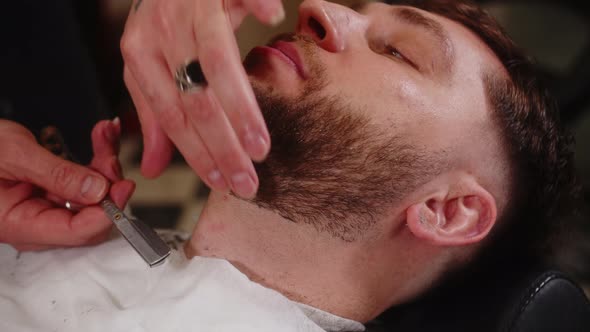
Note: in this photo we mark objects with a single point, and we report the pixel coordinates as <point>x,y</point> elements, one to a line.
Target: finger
<point>105,138</point>
<point>191,146</point>
<point>236,14</point>
<point>221,142</point>
<point>88,224</point>
<point>98,239</point>
<point>140,50</point>
<point>13,195</point>
<point>110,167</point>
<point>220,60</point>
<point>267,11</point>
<point>60,202</point>
<point>32,247</point>
<point>180,130</point>
<point>61,177</point>
<point>36,222</point>
<point>149,88</point>
<point>157,148</point>
<point>217,135</point>
<point>56,200</point>
<point>121,193</point>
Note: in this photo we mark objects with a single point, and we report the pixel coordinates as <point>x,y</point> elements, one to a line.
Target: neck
<point>295,259</point>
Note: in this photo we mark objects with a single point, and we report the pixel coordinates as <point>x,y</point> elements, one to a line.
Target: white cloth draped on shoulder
<point>110,288</point>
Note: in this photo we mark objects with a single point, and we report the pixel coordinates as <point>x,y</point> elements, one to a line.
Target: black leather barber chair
<point>531,300</point>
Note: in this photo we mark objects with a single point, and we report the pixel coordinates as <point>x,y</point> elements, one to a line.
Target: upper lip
<point>290,51</point>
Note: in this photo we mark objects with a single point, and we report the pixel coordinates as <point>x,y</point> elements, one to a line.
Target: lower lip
<point>265,50</point>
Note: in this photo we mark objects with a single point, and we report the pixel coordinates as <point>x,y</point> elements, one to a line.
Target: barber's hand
<point>34,185</point>
<point>219,130</point>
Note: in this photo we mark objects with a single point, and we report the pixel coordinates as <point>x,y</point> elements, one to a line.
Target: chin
<point>269,77</point>
<point>270,86</point>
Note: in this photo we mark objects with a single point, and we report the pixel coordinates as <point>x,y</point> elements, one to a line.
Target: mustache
<point>310,55</point>
<point>292,37</point>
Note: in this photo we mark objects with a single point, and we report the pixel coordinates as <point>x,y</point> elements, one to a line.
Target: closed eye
<point>394,52</point>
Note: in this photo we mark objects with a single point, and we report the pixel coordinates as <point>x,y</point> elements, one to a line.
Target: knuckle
<point>130,45</point>
<point>217,58</point>
<point>63,176</point>
<point>124,44</point>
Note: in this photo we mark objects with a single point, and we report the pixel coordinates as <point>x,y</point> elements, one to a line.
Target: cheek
<point>391,97</point>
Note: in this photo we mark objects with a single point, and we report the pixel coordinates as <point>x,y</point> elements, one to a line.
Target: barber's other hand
<point>219,130</point>
<point>34,185</point>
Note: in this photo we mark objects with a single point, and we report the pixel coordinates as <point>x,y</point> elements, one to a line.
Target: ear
<point>458,216</point>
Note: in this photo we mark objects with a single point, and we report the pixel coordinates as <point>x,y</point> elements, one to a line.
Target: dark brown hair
<point>540,150</point>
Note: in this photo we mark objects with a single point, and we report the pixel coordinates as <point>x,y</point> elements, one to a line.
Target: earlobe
<point>466,218</point>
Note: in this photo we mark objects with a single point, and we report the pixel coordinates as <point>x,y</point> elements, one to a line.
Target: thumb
<point>63,178</point>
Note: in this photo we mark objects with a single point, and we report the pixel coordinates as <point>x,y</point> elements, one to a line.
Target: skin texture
<point>219,128</point>
<point>35,185</point>
<point>137,4</point>
<point>346,198</point>
<point>396,77</point>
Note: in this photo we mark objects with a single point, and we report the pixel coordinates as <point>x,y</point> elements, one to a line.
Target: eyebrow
<point>413,17</point>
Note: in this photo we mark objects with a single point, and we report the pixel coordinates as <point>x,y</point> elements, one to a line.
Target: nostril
<point>317,28</point>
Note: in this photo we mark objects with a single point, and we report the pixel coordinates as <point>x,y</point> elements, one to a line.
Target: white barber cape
<point>110,288</point>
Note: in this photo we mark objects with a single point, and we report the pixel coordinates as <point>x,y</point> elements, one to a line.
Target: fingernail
<point>278,17</point>
<point>113,129</point>
<point>256,146</point>
<point>243,185</point>
<point>93,188</point>
<point>216,180</point>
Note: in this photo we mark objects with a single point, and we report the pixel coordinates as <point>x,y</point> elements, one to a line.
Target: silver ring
<point>190,77</point>
<point>73,207</point>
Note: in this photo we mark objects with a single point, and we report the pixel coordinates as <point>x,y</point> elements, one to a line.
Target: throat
<point>305,265</point>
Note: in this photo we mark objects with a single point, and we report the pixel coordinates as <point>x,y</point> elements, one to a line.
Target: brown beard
<point>329,166</point>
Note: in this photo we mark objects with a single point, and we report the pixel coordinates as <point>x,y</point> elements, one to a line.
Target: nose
<point>329,24</point>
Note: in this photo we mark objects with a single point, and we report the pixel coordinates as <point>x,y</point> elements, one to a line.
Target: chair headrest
<point>539,300</point>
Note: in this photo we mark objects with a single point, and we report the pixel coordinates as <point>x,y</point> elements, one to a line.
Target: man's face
<point>364,105</point>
